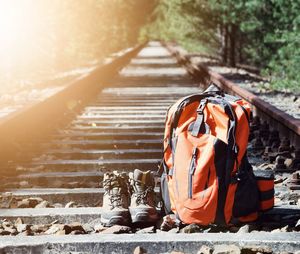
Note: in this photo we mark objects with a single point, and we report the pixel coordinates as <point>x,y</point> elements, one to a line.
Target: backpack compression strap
<point>200,118</point>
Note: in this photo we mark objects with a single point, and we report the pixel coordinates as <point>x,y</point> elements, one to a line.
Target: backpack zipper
<point>192,169</point>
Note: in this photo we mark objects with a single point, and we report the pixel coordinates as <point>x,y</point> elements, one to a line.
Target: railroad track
<point>285,123</point>
<point>118,126</point>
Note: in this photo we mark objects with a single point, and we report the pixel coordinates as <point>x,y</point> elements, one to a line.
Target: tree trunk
<point>232,39</point>
<point>241,59</point>
<point>225,43</point>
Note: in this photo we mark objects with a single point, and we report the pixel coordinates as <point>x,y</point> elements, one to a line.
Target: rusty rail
<point>40,118</point>
<point>286,124</point>
<point>120,128</point>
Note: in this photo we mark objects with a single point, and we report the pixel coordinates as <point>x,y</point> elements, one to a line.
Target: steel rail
<point>38,119</point>
<point>285,123</point>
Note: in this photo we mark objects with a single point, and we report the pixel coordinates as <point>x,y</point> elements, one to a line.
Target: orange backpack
<point>206,174</point>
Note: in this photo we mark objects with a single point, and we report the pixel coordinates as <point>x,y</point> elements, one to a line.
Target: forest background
<point>42,38</point>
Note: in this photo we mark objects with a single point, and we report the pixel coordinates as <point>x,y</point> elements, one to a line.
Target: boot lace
<point>142,197</point>
<point>115,182</point>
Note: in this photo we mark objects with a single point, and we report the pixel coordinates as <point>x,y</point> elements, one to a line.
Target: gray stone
<point>285,229</point>
<point>43,204</point>
<point>167,223</point>
<point>139,250</point>
<point>173,231</point>
<point>297,226</point>
<point>76,226</point>
<point>54,229</point>
<point>205,250</point>
<point>192,228</point>
<point>7,200</point>
<point>117,229</point>
<point>87,228</point>
<point>22,227</point>
<point>277,230</point>
<point>34,201</point>
<point>149,230</point>
<point>77,232</point>
<point>226,249</point>
<point>278,180</point>
<point>71,204</point>
<point>39,228</point>
<point>60,232</point>
<point>208,230</point>
<point>8,224</point>
<point>25,233</point>
<point>256,249</point>
<point>58,205</point>
<point>4,232</point>
<point>23,204</point>
<point>244,229</point>
<point>99,227</point>
<point>18,221</point>
<point>58,229</point>
<point>55,222</point>
<point>11,230</point>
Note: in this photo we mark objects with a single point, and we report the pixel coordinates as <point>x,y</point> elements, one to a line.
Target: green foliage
<point>169,23</point>
<point>284,66</point>
<point>264,33</point>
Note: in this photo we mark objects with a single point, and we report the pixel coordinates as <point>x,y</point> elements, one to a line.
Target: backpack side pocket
<point>246,200</point>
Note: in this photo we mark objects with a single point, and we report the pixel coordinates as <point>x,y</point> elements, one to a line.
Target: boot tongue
<point>139,178</point>
<point>143,177</point>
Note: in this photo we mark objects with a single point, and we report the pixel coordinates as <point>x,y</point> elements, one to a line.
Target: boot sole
<point>143,216</point>
<point>122,219</point>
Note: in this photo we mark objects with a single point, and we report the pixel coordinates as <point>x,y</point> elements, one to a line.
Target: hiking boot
<point>142,208</point>
<point>115,200</point>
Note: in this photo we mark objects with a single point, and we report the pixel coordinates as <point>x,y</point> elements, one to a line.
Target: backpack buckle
<point>201,106</point>
<point>235,149</point>
<point>238,177</point>
<point>235,178</point>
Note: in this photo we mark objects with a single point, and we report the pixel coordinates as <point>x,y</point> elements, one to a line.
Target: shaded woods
<point>263,33</point>
<point>39,39</point>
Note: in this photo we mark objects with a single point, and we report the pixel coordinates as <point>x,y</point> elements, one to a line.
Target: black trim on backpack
<point>265,178</point>
<point>224,167</point>
<point>246,114</point>
<point>267,195</point>
<point>220,165</point>
<point>246,200</point>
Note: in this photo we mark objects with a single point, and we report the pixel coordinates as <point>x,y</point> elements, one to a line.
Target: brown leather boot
<point>116,199</point>
<point>143,206</point>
